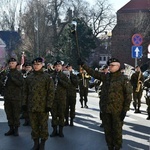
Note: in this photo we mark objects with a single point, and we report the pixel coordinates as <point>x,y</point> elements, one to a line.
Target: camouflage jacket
<point>13,85</point>
<point>61,83</point>
<point>116,92</point>
<point>38,91</point>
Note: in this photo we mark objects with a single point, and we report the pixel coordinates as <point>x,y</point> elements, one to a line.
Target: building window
<point>100,58</point>
<point>104,58</point>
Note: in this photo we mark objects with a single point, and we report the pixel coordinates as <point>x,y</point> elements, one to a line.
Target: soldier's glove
<point>122,116</point>
<point>24,107</point>
<point>48,109</point>
<point>80,62</point>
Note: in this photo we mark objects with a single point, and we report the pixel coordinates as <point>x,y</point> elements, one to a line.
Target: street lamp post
<point>108,43</point>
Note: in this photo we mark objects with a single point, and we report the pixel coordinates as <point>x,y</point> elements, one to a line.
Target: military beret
<point>68,65</point>
<point>111,60</point>
<point>27,64</point>
<point>58,62</point>
<point>39,59</point>
<point>12,60</point>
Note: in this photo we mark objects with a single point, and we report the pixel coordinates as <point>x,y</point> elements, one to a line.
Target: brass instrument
<point>67,73</point>
<point>87,75</point>
<point>6,78</point>
<point>25,74</point>
<point>84,77</point>
<point>56,81</point>
<point>5,81</point>
<point>139,83</point>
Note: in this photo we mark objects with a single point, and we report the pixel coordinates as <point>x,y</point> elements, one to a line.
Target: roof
<point>135,5</point>
<point>10,38</point>
<point>2,42</point>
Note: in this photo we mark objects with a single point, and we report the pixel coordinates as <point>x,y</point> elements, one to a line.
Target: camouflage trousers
<point>70,107</point>
<point>39,125</point>
<point>12,109</point>
<point>58,113</point>
<point>113,130</point>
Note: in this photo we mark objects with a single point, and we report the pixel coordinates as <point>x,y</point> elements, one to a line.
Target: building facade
<point>2,53</point>
<point>132,18</point>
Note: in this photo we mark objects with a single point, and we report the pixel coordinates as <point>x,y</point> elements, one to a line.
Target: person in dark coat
<point>83,78</point>
<point>116,96</point>
<point>28,71</point>
<point>12,97</point>
<point>137,80</point>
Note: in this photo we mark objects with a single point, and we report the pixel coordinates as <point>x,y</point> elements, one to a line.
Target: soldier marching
<point>59,97</point>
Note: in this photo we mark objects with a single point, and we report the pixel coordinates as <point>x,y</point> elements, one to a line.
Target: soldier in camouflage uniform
<point>147,96</point>
<point>61,84</point>
<point>71,96</point>
<point>137,79</point>
<point>116,96</point>
<point>49,69</point>
<point>2,76</point>
<point>38,95</point>
<point>12,97</point>
<point>28,71</point>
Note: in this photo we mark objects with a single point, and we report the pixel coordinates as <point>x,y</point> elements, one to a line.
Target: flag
<point>22,58</point>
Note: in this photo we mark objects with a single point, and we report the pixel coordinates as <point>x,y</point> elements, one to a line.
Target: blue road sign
<point>137,51</point>
<point>137,39</point>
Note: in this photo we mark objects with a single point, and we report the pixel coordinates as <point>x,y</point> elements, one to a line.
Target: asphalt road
<point>86,133</point>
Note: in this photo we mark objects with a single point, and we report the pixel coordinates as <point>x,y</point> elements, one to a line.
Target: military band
<point>39,91</point>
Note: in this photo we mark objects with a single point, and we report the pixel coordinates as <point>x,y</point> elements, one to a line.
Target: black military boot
<point>71,122</point>
<point>81,104</point>
<point>110,147</point>
<point>117,148</point>
<point>36,145</point>
<point>16,131</point>
<point>10,132</point>
<point>148,118</point>
<point>54,133</point>
<point>61,131</point>
<point>42,144</point>
<point>66,122</point>
<point>138,110</point>
<point>134,108</point>
<point>85,106</point>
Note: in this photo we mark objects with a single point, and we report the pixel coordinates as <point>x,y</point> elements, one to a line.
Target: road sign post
<point>137,40</point>
<point>148,55</point>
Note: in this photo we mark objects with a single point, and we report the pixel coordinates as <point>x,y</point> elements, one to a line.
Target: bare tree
<point>43,26</point>
<point>9,14</point>
<point>101,17</point>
